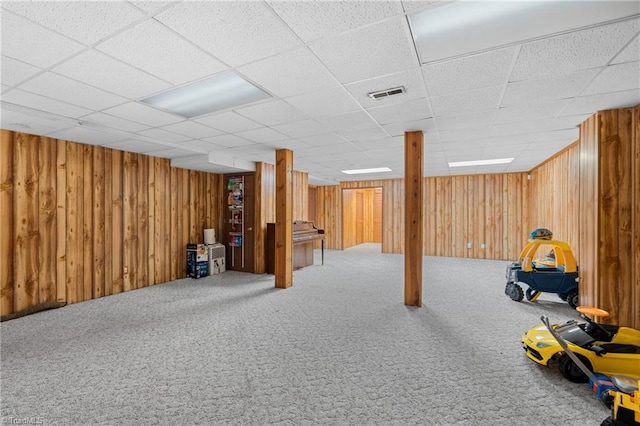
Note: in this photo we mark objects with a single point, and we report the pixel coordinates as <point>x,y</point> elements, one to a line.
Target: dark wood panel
<point>7,225</point>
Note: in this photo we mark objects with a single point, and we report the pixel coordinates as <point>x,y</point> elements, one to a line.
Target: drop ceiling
<point>514,84</point>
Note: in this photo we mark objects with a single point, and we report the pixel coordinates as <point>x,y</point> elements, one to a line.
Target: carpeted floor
<point>338,348</point>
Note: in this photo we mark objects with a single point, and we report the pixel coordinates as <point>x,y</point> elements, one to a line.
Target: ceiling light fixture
<point>223,91</point>
<point>464,27</point>
<point>363,171</point>
<point>480,162</point>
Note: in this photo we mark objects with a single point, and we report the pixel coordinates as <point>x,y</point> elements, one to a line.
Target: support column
<point>413,189</point>
<point>284,219</point>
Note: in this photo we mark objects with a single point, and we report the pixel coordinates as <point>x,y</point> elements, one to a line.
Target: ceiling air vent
<point>386,93</point>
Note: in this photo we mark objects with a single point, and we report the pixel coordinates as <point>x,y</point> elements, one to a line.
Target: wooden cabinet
<point>239,221</point>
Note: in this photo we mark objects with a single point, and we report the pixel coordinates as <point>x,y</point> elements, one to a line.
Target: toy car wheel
<point>514,291</point>
<point>573,299</point>
<point>571,371</point>
<point>607,422</point>
<point>531,294</point>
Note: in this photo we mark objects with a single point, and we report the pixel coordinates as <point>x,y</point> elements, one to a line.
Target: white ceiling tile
<point>312,20</point>
<point>563,54</point>
<point>234,32</point>
<point>294,145</point>
<point>155,49</point>
<point>592,104</point>
<point>173,153</point>
<point>21,122</point>
<point>630,53</point>
<point>322,140</point>
<point>165,136</point>
<point>414,110</point>
<point>465,134</point>
<point>411,80</point>
<point>415,5</point>
<point>530,112</point>
<point>32,44</point>
<point>547,88</point>
<point>228,141</point>
<point>368,52</point>
<point>398,129</point>
<point>64,89</point>
<point>290,73</point>
<point>15,72</point>
<point>567,122</point>
<point>364,134</point>
<point>41,103</point>
<point>519,128</point>
<point>476,119</point>
<point>468,73</point>
<point>349,121</point>
<point>264,134</point>
<point>387,143</point>
<point>84,21</point>
<point>143,114</point>
<point>301,129</point>
<point>99,70</point>
<point>272,113</point>
<point>567,136</point>
<point>107,120</point>
<point>139,146</point>
<point>199,145</point>
<point>616,78</point>
<point>331,101</point>
<point>228,121</point>
<point>192,129</point>
<point>467,102</point>
<point>150,6</point>
<point>85,135</point>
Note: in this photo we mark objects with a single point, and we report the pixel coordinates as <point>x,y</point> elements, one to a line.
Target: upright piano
<point>305,235</point>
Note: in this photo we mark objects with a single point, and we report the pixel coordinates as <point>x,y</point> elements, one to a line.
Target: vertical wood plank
<point>61,221</point>
<point>47,225</point>
<point>414,159</point>
<point>6,222</point>
<point>73,232</point>
<point>99,219</point>
<point>87,223</point>
<point>117,221</point>
<point>26,212</point>
<point>153,249</point>
<point>108,222</point>
<point>284,219</point>
<point>174,229</point>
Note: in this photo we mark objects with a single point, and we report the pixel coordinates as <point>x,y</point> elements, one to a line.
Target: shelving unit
<point>235,201</point>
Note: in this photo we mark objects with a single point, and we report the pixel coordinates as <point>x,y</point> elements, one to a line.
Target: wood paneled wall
<point>81,221</point>
<point>609,180</point>
<point>476,209</point>
<point>350,216</point>
<point>554,201</point>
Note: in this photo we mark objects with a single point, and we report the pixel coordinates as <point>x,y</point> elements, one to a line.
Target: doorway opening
<point>362,219</point>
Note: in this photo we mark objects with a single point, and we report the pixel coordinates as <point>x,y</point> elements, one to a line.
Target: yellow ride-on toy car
<point>556,273</point>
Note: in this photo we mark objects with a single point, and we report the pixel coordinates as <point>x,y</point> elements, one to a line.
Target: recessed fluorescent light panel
<point>363,171</point>
<point>480,162</point>
<point>464,27</point>
<point>216,93</point>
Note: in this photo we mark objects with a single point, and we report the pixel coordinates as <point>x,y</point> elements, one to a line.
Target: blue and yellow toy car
<point>556,273</point>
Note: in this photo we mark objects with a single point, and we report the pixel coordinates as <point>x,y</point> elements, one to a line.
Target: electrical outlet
<point>469,245</point>
<point>125,270</point>
<point>483,245</point>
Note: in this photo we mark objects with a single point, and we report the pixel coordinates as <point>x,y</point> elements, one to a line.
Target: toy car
<point>606,349</point>
<point>557,273</point>
<point>620,393</point>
